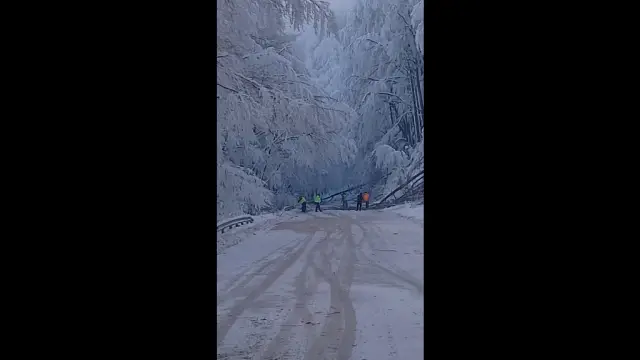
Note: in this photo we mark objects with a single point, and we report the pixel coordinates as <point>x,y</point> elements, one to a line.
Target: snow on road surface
<point>316,286</point>
<point>410,211</point>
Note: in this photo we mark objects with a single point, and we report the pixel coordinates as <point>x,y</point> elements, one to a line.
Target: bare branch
<point>391,79</point>
<point>327,97</point>
<point>228,88</point>
<point>408,25</point>
<point>322,9</point>
<point>390,94</point>
<point>330,109</point>
<point>375,42</point>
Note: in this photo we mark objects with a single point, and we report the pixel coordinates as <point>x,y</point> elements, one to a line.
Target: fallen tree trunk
<point>399,188</point>
<point>411,194</point>
<point>355,187</point>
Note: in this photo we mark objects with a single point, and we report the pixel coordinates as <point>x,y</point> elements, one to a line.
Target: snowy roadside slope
<point>409,211</point>
<point>265,222</point>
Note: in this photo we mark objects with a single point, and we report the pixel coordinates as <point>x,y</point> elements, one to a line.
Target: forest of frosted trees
<point>311,98</point>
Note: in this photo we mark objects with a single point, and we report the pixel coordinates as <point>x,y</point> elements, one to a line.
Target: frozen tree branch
<point>390,94</point>
<point>407,24</point>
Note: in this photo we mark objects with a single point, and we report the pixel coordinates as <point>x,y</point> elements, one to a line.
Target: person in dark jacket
<point>359,202</point>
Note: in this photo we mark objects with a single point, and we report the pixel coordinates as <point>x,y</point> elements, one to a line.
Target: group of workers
<point>303,201</point>
<point>362,197</point>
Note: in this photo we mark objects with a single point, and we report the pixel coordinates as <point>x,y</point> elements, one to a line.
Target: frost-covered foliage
<point>278,133</point>
<point>319,107</point>
<point>401,165</point>
<point>376,66</point>
<point>417,21</point>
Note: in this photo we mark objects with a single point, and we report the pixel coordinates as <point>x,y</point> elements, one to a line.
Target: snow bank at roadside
<point>233,236</point>
<point>409,210</point>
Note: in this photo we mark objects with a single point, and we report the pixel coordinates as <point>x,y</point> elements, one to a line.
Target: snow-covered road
<point>315,286</point>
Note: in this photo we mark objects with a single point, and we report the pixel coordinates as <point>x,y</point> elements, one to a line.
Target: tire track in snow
<point>304,290</point>
<point>240,281</point>
<point>330,258</point>
<point>389,269</point>
<point>282,265</point>
<point>348,341</point>
<point>408,277</point>
<point>336,342</point>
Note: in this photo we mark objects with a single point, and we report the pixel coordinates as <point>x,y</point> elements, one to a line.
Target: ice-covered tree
<point>277,131</point>
<point>378,71</point>
<point>308,100</point>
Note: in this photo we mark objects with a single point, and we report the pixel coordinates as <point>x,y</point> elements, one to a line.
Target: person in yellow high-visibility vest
<point>317,201</point>
<point>303,201</point>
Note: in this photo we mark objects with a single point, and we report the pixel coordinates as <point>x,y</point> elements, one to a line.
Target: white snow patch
<point>263,246</point>
<point>260,223</point>
<point>409,210</point>
<point>390,323</point>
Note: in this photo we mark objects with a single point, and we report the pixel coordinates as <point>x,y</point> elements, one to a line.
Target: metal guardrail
<point>229,224</point>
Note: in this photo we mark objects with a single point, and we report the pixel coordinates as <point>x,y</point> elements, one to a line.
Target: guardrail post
<point>230,224</point>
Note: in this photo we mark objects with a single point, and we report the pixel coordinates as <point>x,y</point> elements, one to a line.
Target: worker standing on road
<point>345,206</point>
<point>303,201</point>
<point>365,198</point>
<point>317,201</point>
<point>359,202</point>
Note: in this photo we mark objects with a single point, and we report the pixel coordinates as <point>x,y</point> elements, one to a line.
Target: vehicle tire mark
<point>304,289</point>
<point>245,277</point>
<point>396,273</point>
<point>227,321</point>
<point>338,333</point>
